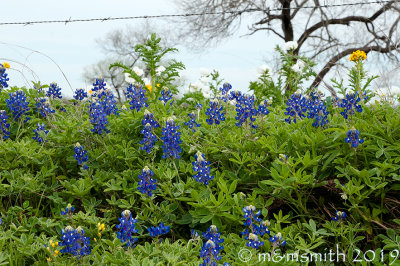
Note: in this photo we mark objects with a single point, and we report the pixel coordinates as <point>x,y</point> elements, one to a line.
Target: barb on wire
<point>25,23</point>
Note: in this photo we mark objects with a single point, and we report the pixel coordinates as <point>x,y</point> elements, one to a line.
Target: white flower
<point>204,80</point>
<point>301,63</point>
<point>296,68</point>
<point>205,71</point>
<point>263,68</point>
<point>138,71</point>
<point>159,70</point>
<point>147,82</point>
<point>291,45</point>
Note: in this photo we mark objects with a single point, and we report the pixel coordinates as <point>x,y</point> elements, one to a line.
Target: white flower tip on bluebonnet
<point>291,45</point>
<point>211,243</point>
<point>126,213</point>
<point>279,235</point>
<point>199,156</point>
<point>266,223</point>
<point>298,91</point>
<point>68,228</point>
<point>250,208</point>
<point>77,144</point>
<point>146,112</point>
<point>205,71</point>
<point>263,68</point>
<point>79,229</point>
<point>170,119</point>
<point>253,237</point>
<point>215,100</point>
<point>213,228</point>
<point>146,168</point>
<point>344,196</point>
<point>123,107</point>
<point>138,71</point>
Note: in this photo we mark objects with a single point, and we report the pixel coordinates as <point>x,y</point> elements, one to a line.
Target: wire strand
<point>70,20</point>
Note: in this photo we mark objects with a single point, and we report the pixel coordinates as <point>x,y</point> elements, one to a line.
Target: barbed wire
<point>70,20</point>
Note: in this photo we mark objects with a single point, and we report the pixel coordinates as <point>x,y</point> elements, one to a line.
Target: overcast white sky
<point>73,46</point>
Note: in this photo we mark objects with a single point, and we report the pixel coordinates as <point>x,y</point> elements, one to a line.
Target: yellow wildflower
<point>48,259</point>
<point>6,65</point>
<point>358,56</point>
<point>149,87</point>
<point>56,253</point>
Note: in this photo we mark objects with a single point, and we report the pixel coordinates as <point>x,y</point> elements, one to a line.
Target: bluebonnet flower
<point>4,126</point>
<point>146,184</point>
<point>126,228</point>
<point>98,118</point>
<point>43,107</point>
<point>68,210</point>
<point>297,107</point>
<point>166,95</point>
<point>80,155</point>
<point>3,76</point>
<point>339,216</point>
<point>54,91</point>
<point>225,91</point>
<point>256,226</point>
<point>350,105</point>
<point>99,87</point>
<point>1,221</point>
<point>137,95</point>
<point>149,138</point>
<point>108,102</point>
<point>317,110</point>
<point>283,158</point>
<point>18,105</point>
<point>212,247</point>
<point>245,109</point>
<point>262,108</point>
<point>353,138</point>
<point>276,240</point>
<point>215,113</point>
<point>40,128</point>
<point>172,140</point>
<point>199,106</point>
<point>194,234</point>
<point>74,242</point>
<point>148,118</point>
<point>156,231</point>
<point>80,94</point>
<point>192,122</point>
<point>235,95</point>
<point>202,169</point>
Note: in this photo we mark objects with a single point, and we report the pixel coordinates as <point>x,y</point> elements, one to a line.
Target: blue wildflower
<point>245,110</point>
<point>166,95</point>
<point>54,91</point>
<point>68,210</point>
<point>199,106</point>
<point>194,234</point>
<point>172,140</point>
<point>276,240</point>
<point>40,128</point>
<point>215,113</point>
<point>80,94</point>
<point>350,105</point>
<point>108,102</point>
<point>235,95</point>
<point>98,118</point>
<point>262,108</point>
<point>137,95</point>
<point>75,242</point>
<point>202,169</point>
<point>212,247</point>
<point>156,231</point>
<point>4,126</point>
<point>18,105</point>
<point>149,138</point>
<point>317,110</point>
<point>149,119</point>
<point>146,184</point>
<point>297,107</point>
<point>126,228</point>
<point>3,77</point>
<point>339,216</point>
<point>257,228</point>
<point>99,88</point>
<point>353,138</point>
<point>1,221</point>
<point>225,91</point>
<point>192,122</point>
<point>43,107</point>
<point>80,155</point>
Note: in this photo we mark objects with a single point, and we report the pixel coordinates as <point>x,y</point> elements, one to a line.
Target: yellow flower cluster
<point>358,56</point>
<point>101,228</point>
<point>53,245</point>
<point>6,65</point>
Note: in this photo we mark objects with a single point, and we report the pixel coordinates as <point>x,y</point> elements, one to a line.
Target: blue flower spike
<point>202,169</point>
<point>353,138</point>
<point>339,216</point>
<point>126,228</point>
<point>81,155</point>
<point>146,183</point>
